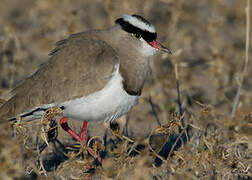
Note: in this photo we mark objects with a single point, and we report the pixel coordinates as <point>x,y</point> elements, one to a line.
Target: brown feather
<point>69,74</point>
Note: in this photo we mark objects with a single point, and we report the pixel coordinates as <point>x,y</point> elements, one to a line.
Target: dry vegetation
<point>208,39</point>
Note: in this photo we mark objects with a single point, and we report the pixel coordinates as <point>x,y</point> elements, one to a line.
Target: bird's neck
<point>134,66</point>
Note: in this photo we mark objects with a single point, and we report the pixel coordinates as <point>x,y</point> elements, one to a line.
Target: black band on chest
<point>130,91</point>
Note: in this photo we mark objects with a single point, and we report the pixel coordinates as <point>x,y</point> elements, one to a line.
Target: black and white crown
<point>137,24</point>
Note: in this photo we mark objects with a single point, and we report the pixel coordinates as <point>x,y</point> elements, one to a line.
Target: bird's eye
<point>136,35</point>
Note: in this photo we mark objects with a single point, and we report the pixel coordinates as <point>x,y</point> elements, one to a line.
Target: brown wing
<point>77,68</point>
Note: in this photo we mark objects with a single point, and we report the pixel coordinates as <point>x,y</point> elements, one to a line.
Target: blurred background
<point>208,43</point>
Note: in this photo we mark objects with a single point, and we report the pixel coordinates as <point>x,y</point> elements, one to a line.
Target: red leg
<point>81,138</point>
<point>83,134</point>
<point>64,125</point>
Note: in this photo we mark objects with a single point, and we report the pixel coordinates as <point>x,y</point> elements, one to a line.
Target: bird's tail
<point>5,111</point>
<point>10,112</point>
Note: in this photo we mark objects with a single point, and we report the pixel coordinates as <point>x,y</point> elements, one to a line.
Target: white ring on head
<point>138,23</point>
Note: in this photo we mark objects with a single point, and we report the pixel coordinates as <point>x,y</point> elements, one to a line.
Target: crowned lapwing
<point>96,75</point>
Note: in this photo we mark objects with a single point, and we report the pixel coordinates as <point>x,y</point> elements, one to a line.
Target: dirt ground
<point>208,42</point>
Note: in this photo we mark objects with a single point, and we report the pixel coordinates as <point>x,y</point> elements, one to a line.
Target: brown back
<point>70,73</point>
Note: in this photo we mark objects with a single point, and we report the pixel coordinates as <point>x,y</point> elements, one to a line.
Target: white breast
<point>105,105</point>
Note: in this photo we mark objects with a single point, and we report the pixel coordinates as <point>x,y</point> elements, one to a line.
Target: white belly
<point>105,105</point>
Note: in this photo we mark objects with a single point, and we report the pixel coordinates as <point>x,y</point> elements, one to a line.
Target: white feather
<point>140,24</point>
<point>146,49</point>
<point>105,105</point>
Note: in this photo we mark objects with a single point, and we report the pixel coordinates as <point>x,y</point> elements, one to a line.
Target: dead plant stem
<point>245,67</point>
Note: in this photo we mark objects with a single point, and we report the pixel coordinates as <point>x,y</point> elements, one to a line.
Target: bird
<point>97,75</point>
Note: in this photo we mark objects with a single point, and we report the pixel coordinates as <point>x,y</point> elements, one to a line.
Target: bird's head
<point>142,31</point>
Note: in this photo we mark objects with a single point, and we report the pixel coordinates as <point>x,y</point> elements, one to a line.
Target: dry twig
<point>245,67</point>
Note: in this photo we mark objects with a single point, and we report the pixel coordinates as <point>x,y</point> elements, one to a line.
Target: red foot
<point>81,138</point>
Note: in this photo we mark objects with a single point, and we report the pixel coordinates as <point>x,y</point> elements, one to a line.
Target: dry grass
<point>196,84</point>
<point>246,62</point>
